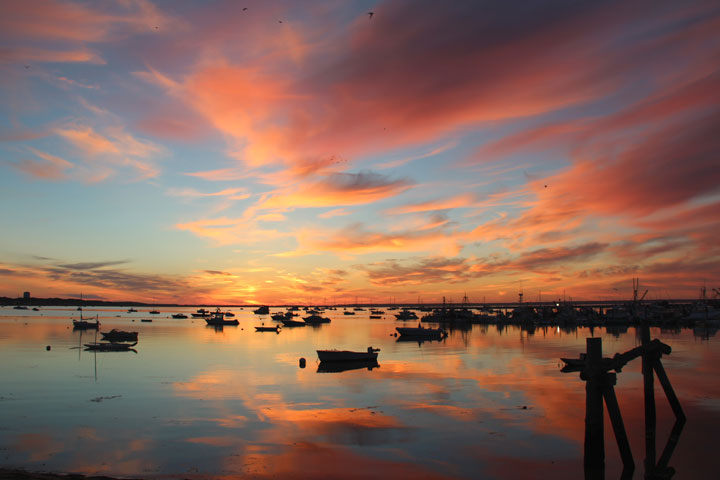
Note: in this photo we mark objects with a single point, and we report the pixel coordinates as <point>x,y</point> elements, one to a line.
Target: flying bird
<point>244,8</point>
<point>279,21</point>
<point>370,14</point>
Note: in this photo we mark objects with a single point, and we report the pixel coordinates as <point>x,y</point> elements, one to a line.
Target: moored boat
<point>316,319</point>
<point>289,322</point>
<point>347,355</point>
<point>420,331</point>
<point>262,310</point>
<point>179,315</point>
<point>85,325</point>
<point>218,318</point>
<point>263,328</point>
<point>115,335</point>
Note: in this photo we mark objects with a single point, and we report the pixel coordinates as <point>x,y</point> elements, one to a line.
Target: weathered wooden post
<point>648,360</point>
<point>594,432</point>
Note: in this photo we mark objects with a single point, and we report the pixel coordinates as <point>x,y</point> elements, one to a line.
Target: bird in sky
<point>244,8</point>
<point>370,14</point>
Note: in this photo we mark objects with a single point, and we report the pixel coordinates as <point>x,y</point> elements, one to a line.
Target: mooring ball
<point>302,362</point>
<point>47,348</point>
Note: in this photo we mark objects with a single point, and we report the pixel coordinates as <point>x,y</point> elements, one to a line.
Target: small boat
<point>263,328</point>
<point>278,316</point>
<point>229,314</point>
<point>348,312</point>
<point>316,319</point>
<point>406,315</point>
<point>263,310</point>
<point>131,310</point>
<point>375,317</point>
<point>154,312</point>
<point>218,318</point>
<point>85,325</point>
<point>20,307</point>
<point>119,336</point>
<point>421,331</point>
<point>179,315</point>
<point>347,355</point>
<point>288,322</point>
<point>376,312</point>
<point>110,346</point>
<point>146,320</point>
<point>200,313</point>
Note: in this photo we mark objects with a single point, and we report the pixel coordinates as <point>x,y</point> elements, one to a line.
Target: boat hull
<point>211,321</point>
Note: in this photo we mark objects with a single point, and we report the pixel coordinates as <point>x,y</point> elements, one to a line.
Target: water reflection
<point>330,367</point>
<point>227,402</point>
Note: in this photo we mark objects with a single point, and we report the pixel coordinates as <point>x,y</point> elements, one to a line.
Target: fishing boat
<point>200,313</point>
<point>316,319</point>
<point>421,331</point>
<point>179,315</point>
<point>347,355</point>
<point>110,346</point>
<point>218,318</point>
<point>85,325</point>
<point>278,316</point>
<point>263,310</point>
<point>289,322</point>
<point>406,315</point>
<point>115,335</point>
<point>263,328</point>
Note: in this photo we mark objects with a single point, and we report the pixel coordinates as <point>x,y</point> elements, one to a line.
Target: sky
<point>310,152</point>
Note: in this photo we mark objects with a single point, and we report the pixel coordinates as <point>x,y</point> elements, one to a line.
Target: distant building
<point>26,295</point>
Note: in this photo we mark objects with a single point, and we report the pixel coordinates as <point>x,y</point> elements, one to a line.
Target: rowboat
<point>347,355</point>
<point>263,328</point>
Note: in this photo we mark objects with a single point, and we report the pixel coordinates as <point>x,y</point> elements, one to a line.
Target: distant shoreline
<point>76,302</point>
<point>19,474</point>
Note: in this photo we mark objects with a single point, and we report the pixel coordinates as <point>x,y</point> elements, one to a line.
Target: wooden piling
<point>594,432</point>
<point>648,361</point>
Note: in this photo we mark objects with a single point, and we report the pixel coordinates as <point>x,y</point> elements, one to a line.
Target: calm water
<point>194,402</point>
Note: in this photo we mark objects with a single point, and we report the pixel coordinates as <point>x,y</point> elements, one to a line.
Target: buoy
<point>302,362</point>
<point>47,348</point>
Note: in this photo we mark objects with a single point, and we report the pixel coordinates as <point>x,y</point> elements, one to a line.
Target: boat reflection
<point>418,340</point>
<point>336,367</point>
